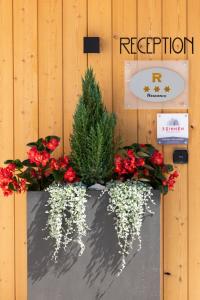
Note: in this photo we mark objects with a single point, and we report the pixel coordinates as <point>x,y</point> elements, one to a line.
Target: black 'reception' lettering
<point>150,45</point>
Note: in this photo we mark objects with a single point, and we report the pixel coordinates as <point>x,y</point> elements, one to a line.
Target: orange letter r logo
<point>156,77</point>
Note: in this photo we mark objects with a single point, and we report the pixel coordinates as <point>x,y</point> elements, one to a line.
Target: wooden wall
<point>41,63</point>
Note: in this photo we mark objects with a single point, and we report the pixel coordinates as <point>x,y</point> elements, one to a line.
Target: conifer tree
<point>92,140</point>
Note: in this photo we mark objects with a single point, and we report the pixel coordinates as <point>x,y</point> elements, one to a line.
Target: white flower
<point>129,201</point>
<point>66,215</point>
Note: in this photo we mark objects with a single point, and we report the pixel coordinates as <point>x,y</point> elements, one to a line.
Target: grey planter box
<point>93,275</point>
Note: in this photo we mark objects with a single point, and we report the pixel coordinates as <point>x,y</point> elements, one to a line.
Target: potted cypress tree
<point>92,140</point>
<point>96,204</point>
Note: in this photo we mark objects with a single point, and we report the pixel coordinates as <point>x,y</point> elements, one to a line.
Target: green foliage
<point>92,140</point>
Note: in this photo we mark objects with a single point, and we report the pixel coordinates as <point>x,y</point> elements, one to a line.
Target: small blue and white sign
<point>172,128</point>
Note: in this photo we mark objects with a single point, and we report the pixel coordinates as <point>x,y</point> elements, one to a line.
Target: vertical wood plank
<point>50,69</point>
<point>25,119</point>
<point>74,60</point>
<point>7,284</point>
<point>194,159</point>
<point>124,15</point>
<point>150,24</point>
<point>175,203</point>
<point>100,24</point>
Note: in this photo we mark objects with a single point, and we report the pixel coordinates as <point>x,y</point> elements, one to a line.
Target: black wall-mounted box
<point>91,44</point>
<point>180,156</point>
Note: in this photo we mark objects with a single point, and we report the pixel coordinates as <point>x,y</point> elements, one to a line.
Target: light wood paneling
<point>124,15</point>
<point>100,24</point>
<point>194,161</point>
<point>74,60</point>
<point>50,69</point>
<point>7,284</point>
<point>25,119</point>
<point>43,41</point>
<point>150,24</point>
<point>175,204</point>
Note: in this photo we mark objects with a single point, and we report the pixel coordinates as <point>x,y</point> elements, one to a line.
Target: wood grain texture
<point>50,69</point>
<point>194,161</point>
<point>7,283</point>
<point>74,60</point>
<point>149,24</point>
<point>124,15</point>
<point>43,40</point>
<point>175,204</point>
<point>100,24</point>
<point>25,119</point>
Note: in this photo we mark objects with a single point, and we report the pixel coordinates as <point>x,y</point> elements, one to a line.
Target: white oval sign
<point>157,84</point>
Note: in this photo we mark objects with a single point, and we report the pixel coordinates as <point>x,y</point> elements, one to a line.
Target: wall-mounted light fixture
<point>91,44</point>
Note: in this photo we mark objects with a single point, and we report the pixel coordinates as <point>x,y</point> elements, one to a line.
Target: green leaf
<point>32,144</point>
<point>144,179</point>
<point>150,149</point>
<point>27,163</point>
<point>142,154</point>
<point>9,161</point>
<point>149,167</point>
<point>169,168</point>
<point>11,187</point>
<point>18,164</point>
<point>58,175</point>
<point>159,175</point>
<point>165,189</point>
<point>49,137</point>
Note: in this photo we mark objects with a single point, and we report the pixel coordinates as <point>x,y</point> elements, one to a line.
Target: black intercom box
<point>91,44</point>
<point>180,156</point>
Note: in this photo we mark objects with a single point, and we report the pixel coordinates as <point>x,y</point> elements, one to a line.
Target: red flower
<point>38,157</point>
<point>130,153</point>
<point>70,175</point>
<point>31,154</point>
<point>7,192</point>
<point>142,145</point>
<point>7,178</point>
<point>54,165</point>
<point>157,158</point>
<point>11,167</point>
<point>33,173</point>
<point>118,164</point>
<point>64,162</point>
<point>175,174</point>
<point>44,143</point>
<point>53,144</point>
<point>146,172</point>
<point>47,173</point>
<point>23,185</point>
<point>171,180</point>
<point>140,162</point>
<point>165,182</point>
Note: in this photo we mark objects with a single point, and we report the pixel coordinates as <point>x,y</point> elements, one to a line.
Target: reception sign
<point>172,128</point>
<point>156,84</point>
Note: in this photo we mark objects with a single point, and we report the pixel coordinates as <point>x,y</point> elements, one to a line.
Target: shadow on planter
<point>40,250</point>
<point>93,275</point>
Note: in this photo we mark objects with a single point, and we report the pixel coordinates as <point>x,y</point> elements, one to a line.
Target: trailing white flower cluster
<point>129,201</point>
<point>66,215</point>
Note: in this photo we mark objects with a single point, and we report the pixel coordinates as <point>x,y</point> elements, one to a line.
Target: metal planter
<point>93,275</point>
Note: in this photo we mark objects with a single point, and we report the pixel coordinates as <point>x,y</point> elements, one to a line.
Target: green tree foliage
<point>92,140</point>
